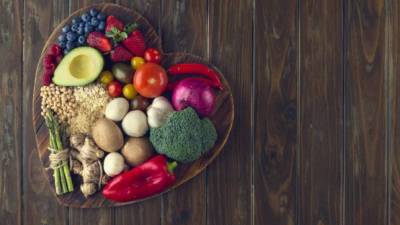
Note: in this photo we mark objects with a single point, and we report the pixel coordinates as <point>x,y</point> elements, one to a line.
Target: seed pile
<point>59,99</point>
<point>91,101</point>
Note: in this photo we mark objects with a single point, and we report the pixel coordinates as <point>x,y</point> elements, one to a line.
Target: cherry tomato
<point>150,80</point>
<point>152,55</point>
<point>136,62</point>
<point>114,89</point>
<point>106,77</point>
<point>129,91</point>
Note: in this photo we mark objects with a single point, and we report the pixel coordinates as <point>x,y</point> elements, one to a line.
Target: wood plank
<point>229,177</point>
<point>11,112</point>
<point>321,113</point>
<point>365,113</point>
<point>40,206</point>
<point>149,211</point>
<point>275,111</point>
<point>184,29</point>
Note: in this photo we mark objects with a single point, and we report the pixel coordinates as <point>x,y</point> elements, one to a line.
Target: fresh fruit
<point>50,68</point>
<point>114,89</point>
<point>47,60</point>
<point>81,40</point>
<point>66,28</point>
<point>129,91</point>
<point>152,55</point>
<point>79,67</point>
<point>93,12</point>
<point>113,22</point>
<point>99,41</point>
<point>101,16</point>
<point>55,50</point>
<point>58,59</point>
<point>135,43</point>
<point>122,72</point>
<point>150,80</point>
<point>106,77</point>
<point>136,62</point>
<point>120,54</point>
<point>47,78</point>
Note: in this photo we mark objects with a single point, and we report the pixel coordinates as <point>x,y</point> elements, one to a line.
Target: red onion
<point>196,94</point>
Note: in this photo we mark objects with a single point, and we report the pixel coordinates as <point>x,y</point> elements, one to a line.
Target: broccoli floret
<point>184,137</point>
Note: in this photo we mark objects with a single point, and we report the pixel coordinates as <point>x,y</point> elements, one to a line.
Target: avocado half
<point>79,67</point>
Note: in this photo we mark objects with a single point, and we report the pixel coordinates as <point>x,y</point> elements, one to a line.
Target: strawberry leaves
<point>117,36</point>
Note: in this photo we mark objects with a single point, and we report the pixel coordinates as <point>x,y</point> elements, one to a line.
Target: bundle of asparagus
<point>58,156</point>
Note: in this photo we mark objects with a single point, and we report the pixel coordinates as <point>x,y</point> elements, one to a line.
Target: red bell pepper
<point>196,68</point>
<point>150,178</point>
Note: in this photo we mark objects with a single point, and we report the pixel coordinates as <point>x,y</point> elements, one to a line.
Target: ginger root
<point>86,162</point>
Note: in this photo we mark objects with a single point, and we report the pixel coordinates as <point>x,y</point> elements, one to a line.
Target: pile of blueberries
<point>74,35</point>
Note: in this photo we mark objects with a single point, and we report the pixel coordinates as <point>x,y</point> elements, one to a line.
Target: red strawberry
<point>135,43</point>
<point>99,40</point>
<point>55,50</point>
<point>119,54</point>
<point>113,22</point>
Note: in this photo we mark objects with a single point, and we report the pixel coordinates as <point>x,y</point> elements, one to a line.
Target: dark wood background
<point>316,137</point>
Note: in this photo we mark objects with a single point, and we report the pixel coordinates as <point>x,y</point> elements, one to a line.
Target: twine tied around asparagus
<point>58,158</point>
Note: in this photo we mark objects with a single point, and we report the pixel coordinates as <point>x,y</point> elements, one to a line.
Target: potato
<point>137,150</point>
<point>107,135</point>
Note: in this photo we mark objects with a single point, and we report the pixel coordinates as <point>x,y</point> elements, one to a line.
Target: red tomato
<point>152,55</point>
<point>114,89</point>
<point>150,80</point>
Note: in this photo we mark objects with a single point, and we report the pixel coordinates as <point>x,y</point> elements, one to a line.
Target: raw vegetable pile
<point>114,113</point>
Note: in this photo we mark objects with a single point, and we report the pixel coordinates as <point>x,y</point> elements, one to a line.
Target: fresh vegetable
<point>158,112</point>
<point>116,109</point>
<point>99,41</point>
<point>122,72</point>
<point>139,102</point>
<point>113,164</point>
<point>134,124</point>
<point>196,68</point>
<point>196,94</point>
<point>135,43</point>
<point>113,22</point>
<point>114,89</point>
<point>129,91</point>
<point>107,135</point>
<point>106,77</point>
<point>58,156</point>
<point>151,177</point>
<point>137,150</point>
<point>136,62</point>
<point>184,137</point>
<point>120,54</point>
<point>150,80</point>
<point>85,162</point>
<point>152,55</point>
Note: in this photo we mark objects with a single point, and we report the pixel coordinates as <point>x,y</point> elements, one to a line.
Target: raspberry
<point>58,59</point>
<point>48,59</point>
<point>50,68</point>
<point>47,78</point>
<point>55,50</point>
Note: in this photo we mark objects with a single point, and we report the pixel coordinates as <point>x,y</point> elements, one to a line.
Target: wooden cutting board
<point>222,116</point>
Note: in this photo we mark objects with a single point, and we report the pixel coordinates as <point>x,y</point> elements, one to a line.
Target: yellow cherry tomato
<point>106,77</point>
<point>136,62</point>
<point>129,91</point>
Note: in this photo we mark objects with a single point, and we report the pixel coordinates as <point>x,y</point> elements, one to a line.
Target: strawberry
<point>113,22</point>
<point>119,54</point>
<point>99,40</point>
<point>135,43</point>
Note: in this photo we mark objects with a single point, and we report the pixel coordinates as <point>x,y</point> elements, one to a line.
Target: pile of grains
<point>61,100</point>
<point>91,102</point>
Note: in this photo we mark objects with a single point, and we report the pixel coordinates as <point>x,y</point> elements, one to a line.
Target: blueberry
<point>62,44</point>
<point>101,26</point>
<point>62,37</point>
<point>66,51</point>
<point>66,28</point>
<point>94,22</point>
<point>81,39</point>
<point>74,27</point>
<point>85,17</point>
<point>71,36</point>
<point>76,20</point>
<point>79,30</point>
<point>82,24</point>
<point>101,16</point>
<point>93,12</point>
<point>70,45</point>
<point>88,28</point>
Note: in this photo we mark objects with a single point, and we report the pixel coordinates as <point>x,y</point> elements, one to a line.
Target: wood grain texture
<point>10,112</point>
<point>39,204</point>
<point>321,113</point>
<point>229,185</point>
<point>365,114</point>
<point>275,112</point>
<point>184,29</point>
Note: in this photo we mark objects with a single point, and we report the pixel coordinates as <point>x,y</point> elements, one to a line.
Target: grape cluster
<point>74,35</point>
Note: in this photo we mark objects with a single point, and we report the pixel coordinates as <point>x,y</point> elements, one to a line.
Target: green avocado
<point>79,67</point>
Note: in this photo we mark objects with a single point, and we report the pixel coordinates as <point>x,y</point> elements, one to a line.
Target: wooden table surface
<point>316,136</point>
